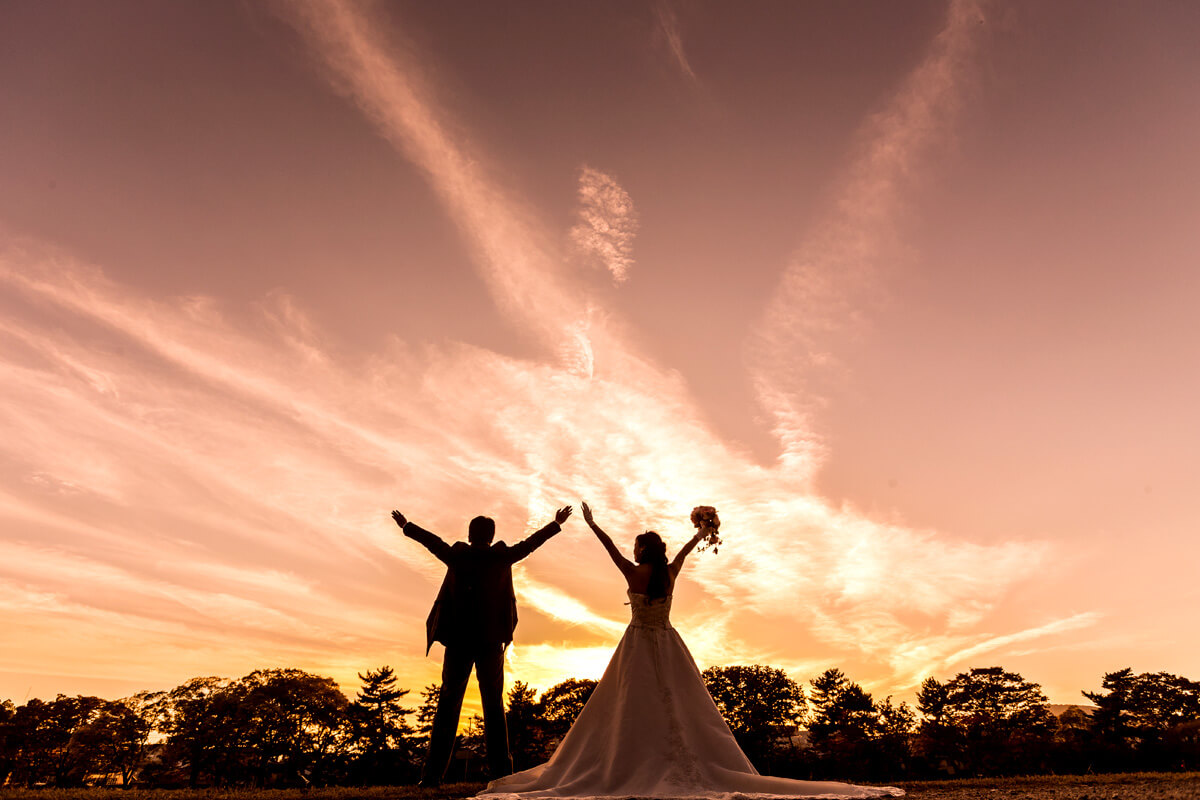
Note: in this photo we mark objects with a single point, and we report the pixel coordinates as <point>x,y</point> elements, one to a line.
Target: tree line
<point>287,727</point>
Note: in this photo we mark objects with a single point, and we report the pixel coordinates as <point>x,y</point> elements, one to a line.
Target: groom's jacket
<point>476,604</point>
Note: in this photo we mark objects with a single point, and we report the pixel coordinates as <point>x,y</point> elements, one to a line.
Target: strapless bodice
<point>650,612</point>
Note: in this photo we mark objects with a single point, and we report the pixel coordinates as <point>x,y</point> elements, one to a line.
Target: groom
<point>474,617</point>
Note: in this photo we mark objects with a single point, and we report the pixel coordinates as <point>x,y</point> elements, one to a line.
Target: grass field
<point>1129,786</point>
<point>1132,786</point>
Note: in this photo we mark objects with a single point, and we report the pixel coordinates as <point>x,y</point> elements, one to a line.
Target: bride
<point>651,728</point>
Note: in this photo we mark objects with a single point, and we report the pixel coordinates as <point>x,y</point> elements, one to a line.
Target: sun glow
<point>422,273</point>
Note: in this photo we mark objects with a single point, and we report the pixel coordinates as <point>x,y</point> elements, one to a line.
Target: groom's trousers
<point>488,661</point>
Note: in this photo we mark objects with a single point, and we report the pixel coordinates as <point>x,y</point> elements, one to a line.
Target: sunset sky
<point>908,291</point>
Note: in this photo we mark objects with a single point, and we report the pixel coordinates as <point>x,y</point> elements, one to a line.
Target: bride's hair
<point>654,553</point>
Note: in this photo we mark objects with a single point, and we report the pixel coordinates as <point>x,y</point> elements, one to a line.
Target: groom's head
<point>481,530</point>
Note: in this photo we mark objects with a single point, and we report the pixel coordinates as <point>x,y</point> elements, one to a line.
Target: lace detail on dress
<point>649,612</point>
<point>678,764</point>
<point>681,769</point>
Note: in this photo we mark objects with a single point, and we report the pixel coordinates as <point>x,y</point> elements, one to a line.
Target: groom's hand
<point>561,515</point>
<point>400,519</point>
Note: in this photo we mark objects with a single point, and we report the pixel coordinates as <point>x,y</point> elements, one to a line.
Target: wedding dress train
<point>651,730</point>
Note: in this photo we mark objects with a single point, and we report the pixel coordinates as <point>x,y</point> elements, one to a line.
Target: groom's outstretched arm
<point>432,542</point>
<point>527,546</point>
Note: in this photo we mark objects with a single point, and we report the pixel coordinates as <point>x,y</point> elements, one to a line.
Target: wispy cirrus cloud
<point>834,276</point>
<point>607,223</point>
<point>270,471</point>
<point>668,27</point>
<point>515,258</point>
<point>990,645</point>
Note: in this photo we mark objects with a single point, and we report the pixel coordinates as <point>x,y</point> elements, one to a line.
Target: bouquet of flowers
<point>706,520</point>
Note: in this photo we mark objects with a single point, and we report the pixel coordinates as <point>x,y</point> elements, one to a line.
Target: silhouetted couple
<point>650,728</point>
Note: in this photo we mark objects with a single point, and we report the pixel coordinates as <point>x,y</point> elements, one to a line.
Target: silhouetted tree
<point>381,730</point>
<point>7,742</point>
<point>1182,742</point>
<point>1111,719</point>
<point>1001,720</point>
<point>561,704</point>
<point>31,740</point>
<point>428,709</point>
<point>1137,716</point>
<point>200,722</point>
<point>526,727</point>
<point>294,724</point>
<point>113,741</point>
<point>1074,742</point>
<point>892,745</point>
<point>938,743</point>
<point>46,748</point>
<point>285,726</point>
<point>536,725</point>
<point>844,721</point>
<point>469,762</point>
<point>760,703</point>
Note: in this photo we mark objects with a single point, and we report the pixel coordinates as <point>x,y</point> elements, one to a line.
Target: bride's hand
<point>587,513</point>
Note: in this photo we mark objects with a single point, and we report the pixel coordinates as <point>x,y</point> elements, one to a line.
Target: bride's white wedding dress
<point>651,730</point>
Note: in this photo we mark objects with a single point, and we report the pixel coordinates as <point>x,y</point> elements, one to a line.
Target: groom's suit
<point>474,617</point>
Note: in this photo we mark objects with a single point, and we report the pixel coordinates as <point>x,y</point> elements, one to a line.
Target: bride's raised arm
<point>677,564</point>
<point>624,564</point>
